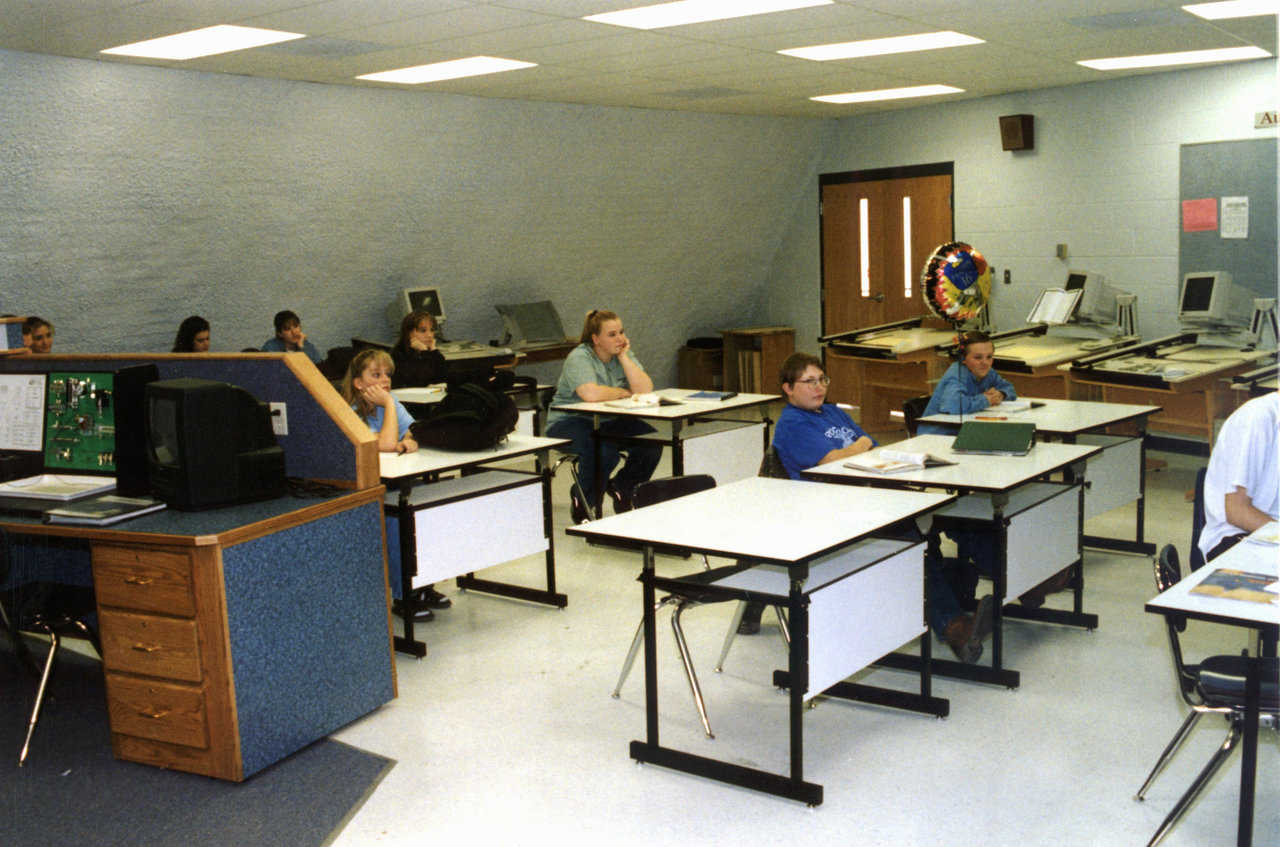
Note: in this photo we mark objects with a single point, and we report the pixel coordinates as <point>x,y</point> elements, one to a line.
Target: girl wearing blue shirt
<point>367,387</point>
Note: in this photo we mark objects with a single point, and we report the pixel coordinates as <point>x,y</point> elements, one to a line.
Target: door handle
<point>879,298</point>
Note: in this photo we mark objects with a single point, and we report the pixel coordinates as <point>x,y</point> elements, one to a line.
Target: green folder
<point>995,439</point>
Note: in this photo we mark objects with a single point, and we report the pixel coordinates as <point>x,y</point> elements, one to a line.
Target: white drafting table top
<point>427,460</point>
<point>1246,556</point>
<point>1058,417</point>
<point>1180,363</point>
<point>1041,350</point>
<point>899,341</point>
<point>970,473</point>
<point>686,409</point>
<point>780,521</point>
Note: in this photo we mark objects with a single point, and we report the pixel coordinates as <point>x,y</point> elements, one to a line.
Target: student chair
<point>912,409</point>
<point>1196,559</point>
<point>1216,685</point>
<point>647,494</point>
<point>54,610</point>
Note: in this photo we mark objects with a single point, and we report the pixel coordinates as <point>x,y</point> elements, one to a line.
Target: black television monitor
<point>210,444</point>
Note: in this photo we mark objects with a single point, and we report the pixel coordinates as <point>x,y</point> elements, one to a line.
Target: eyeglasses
<point>815,381</point>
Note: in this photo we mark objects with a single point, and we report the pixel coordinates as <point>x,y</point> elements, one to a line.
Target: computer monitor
<point>210,444</point>
<point>1210,298</point>
<point>531,323</point>
<point>1097,300</point>
<point>415,300</point>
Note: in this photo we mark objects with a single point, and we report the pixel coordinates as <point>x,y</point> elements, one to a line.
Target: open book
<point>1238,585</point>
<point>1054,306</point>
<point>895,461</point>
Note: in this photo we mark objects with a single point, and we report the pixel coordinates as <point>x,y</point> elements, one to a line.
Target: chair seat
<point>1222,681</point>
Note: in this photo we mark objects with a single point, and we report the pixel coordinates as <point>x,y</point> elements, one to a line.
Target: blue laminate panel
<point>307,617</point>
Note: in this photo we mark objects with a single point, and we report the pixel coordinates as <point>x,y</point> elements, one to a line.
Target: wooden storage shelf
<point>753,357</point>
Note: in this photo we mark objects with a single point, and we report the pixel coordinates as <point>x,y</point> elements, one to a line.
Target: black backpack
<point>472,416</point>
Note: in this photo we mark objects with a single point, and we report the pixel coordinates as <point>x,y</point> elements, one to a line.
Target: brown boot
<point>965,633</point>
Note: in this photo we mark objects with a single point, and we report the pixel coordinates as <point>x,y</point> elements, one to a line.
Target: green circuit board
<point>80,422</point>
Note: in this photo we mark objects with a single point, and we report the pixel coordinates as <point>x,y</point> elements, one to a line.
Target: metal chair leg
<point>689,673</point>
<point>1185,801</point>
<point>1169,750</point>
<point>728,636</point>
<point>783,630</point>
<point>635,648</point>
<point>35,712</point>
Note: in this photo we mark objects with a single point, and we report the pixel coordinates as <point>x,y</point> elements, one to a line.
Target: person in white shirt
<point>1242,486</point>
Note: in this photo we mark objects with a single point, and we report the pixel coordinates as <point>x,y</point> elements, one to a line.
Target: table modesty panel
<point>727,453</point>
<point>857,612</point>
<point>1043,535</point>
<point>470,523</point>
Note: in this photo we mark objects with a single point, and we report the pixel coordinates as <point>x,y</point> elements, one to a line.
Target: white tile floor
<point>506,733</point>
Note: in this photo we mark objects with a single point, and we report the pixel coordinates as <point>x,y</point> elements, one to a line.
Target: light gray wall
<point>1103,179</point>
<point>131,197</point>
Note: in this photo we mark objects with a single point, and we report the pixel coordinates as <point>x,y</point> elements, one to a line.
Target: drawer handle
<point>147,648</point>
<point>139,580</point>
<point>154,714</point>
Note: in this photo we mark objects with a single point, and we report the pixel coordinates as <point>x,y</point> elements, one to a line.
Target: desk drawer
<point>160,711</point>
<point>149,580</point>
<point>145,644</point>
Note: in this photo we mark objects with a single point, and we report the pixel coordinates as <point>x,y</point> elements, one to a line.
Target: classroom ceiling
<point>727,66</point>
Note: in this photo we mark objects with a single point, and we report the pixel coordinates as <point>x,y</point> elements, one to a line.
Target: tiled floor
<point>506,733</point>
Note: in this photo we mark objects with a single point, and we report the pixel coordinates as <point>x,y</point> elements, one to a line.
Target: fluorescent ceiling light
<point>203,42</point>
<point>471,66</point>
<point>1189,57</point>
<point>697,11</point>
<point>1234,9</point>
<point>888,94</point>
<point>882,46</point>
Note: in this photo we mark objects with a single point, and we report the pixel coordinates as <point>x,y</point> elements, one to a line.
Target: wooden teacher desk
<point>851,597</point>
<point>1179,602</point>
<point>438,527</point>
<point>1117,475</point>
<point>231,637</point>
<point>1038,525</point>
<point>700,438</point>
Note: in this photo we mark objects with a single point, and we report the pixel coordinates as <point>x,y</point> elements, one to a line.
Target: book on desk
<point>103,510</point>
<point>896,461</point>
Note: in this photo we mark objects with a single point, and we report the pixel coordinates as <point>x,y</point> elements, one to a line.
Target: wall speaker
<point>1017,132</point>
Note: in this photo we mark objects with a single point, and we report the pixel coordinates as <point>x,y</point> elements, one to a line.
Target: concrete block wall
<point>1102,179</point>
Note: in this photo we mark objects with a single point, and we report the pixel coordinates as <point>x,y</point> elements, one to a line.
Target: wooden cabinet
<point>753,357</point>
<point>164,634</point>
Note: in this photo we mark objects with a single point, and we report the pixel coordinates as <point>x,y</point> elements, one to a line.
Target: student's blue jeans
<point>975,551</point>
<point>641,458</point>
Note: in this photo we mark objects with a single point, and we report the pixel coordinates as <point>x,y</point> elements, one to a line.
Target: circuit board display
<point>80,422</point>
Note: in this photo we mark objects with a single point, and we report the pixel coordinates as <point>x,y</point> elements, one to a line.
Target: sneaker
<point>420,614</point>
<point>578,510</point>
<point>621,500</point>
<point>429,598</point>
<point>983,620</point>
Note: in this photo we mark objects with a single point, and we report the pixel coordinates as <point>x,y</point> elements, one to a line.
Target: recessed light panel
<point>455,69</point>
<point>1234,9</point>
<point>1189,57</point>
<point>888,94</point>
<point>882,46</point>
<point>209,41</point>
<point>697,11</point>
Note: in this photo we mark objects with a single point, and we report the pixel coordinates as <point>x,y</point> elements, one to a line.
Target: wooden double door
<point>878,230</point>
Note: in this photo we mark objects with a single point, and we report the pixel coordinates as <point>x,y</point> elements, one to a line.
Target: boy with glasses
<point>810,431</point>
